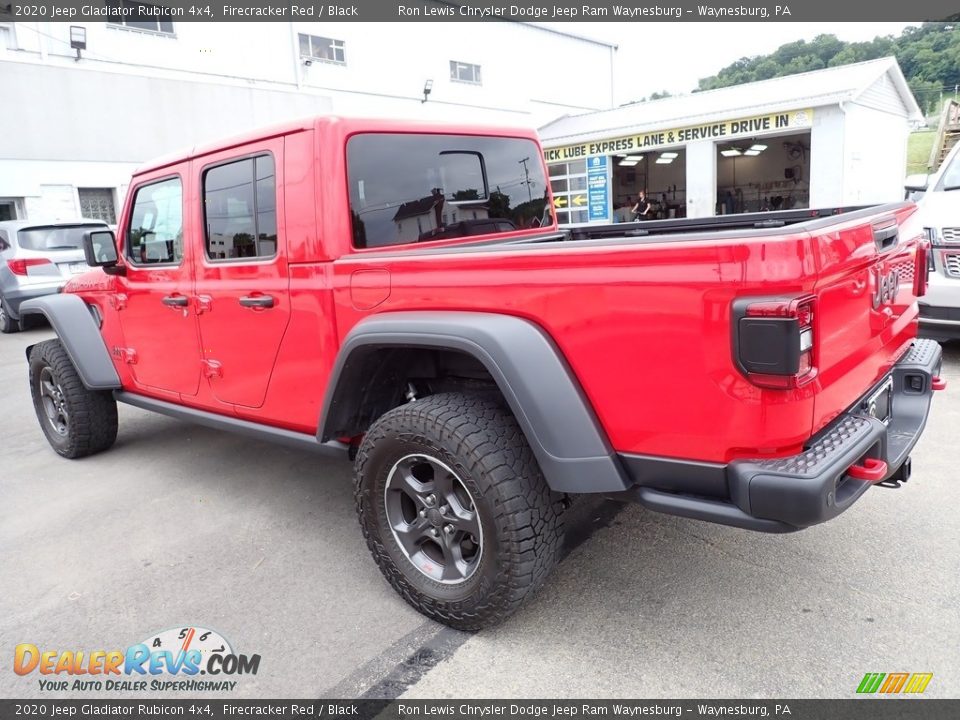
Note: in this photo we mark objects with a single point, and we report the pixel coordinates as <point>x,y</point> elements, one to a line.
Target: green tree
<point>929,56</point>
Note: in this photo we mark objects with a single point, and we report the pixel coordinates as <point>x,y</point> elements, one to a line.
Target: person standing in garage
<point>642,210</point>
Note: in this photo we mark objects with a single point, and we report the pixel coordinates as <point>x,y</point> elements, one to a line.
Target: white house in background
<point>428,215</point>
<point>74,129</point>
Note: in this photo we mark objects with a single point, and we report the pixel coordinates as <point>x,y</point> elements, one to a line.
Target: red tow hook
<point>872,470</point>
<point>938,383</point>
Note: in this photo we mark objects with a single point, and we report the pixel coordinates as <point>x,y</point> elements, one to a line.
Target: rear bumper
<point>788,494</point>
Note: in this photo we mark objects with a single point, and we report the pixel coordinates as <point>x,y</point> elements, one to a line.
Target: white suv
<point>940,213</point>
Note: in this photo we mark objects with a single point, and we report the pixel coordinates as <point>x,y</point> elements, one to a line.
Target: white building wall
<point>136,95</point>
<point>516,87</point>
<point>39,184</point>
<point>827,167</point>
<point>875,156</point>
<point>701,178</point>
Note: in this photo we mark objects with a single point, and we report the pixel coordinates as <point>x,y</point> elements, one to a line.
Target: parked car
<point>939,211</point>
<point>760,370</point>
<point>38,259</point>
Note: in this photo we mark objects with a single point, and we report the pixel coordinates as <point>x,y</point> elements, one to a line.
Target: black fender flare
<point>77,330</point>
<point>544,395</point>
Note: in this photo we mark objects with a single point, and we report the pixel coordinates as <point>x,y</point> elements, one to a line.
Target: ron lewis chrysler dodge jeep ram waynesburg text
<point>399,294</point>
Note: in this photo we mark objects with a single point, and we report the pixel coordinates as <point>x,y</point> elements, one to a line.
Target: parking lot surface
<point>182,526</point>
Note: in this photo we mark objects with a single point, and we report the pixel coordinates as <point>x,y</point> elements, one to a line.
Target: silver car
<point>37,259</point>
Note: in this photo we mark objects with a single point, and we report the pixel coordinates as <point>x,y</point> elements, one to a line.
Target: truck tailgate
<point>866,302</point>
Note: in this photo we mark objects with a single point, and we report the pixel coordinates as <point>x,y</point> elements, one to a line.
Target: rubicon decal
<point>179,652</point>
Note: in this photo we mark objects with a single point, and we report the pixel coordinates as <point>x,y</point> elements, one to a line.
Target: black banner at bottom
<point>866,708</point>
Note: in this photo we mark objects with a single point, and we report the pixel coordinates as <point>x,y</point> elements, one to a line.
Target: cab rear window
<point>418,188</point>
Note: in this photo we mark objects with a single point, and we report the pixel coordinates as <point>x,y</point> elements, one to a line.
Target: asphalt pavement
<point>180,526</point>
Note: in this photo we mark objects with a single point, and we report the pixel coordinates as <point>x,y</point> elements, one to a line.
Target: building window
<point>6,38</point>
<point>8,208</point>
<point>97,204</point>
<point>464,72</point>
<point>240,209</point>
<point>568,182</point>
<point>313,47</point>
<point>140,16</point>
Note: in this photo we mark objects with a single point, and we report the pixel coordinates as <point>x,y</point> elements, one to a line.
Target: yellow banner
<point>718,131</point>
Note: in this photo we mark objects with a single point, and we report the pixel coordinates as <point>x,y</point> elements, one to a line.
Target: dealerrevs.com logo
<point>172,660</point>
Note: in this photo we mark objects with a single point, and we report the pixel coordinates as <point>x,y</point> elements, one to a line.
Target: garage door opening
<point>763,174</point>
<point>661,173</point>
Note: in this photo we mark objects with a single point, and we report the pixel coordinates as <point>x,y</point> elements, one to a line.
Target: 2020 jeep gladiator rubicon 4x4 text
<point>321,284</point>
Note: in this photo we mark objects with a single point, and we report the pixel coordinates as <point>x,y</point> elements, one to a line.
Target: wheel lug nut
<point>434,532</point>
<point>423,513</point>
<point>444,508</point>
<point>430,500</point>
<point>448,529</point>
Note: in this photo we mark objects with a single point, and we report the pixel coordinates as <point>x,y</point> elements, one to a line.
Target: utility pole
<point>526,174</point>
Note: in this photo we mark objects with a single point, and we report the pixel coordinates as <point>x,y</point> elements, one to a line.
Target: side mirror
<point>917,182</point>
<point>100,250</point>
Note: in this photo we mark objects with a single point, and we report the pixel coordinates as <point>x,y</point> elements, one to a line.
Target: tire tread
<point>485,437</point>
<point>93,414</point>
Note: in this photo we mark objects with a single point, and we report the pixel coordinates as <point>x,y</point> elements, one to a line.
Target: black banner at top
<point>74,11</point>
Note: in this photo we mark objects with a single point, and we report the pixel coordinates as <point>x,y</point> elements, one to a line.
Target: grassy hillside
<point>918,151</point>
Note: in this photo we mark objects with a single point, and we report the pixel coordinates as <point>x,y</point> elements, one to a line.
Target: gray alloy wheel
<point>433,518</point>
<point>54,403</point>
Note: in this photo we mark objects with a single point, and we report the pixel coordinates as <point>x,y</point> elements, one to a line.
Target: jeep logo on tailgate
<point>884,287</point>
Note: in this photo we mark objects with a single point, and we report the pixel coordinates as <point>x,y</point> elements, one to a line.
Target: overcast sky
<point>675,55</point>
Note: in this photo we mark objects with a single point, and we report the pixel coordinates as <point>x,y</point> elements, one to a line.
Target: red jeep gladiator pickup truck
<point>399,294</point>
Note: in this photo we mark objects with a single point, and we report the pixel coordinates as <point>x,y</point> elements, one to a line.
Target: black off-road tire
<point>7,323</point>
<point>90,424</point>
<point>521,518</point>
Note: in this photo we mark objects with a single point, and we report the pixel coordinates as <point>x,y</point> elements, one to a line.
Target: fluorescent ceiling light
<point>670,155</point>
<point>758,148</point>
<point>627,163</point>
<point>751,153</point>
<point>664,161</point>
<point>730,152</point>
<point>635,158</point>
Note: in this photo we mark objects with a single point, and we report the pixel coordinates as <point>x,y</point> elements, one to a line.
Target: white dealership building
<point>824,139</point>
<point>75,123</point>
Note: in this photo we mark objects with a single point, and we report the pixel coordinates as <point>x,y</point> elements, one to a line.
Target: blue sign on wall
<point>597,192</point>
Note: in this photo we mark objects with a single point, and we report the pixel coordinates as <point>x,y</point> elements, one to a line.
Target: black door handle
<point>176,300</point>
<point>257,301</point>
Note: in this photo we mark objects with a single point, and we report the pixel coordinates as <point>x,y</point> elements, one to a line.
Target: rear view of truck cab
<point>939,209</point>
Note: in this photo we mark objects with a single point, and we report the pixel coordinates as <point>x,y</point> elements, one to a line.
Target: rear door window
<point>240,209</point>
<point>416,188</point>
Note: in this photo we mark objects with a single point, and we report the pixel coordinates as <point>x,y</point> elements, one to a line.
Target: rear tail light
<point>19,267</point>
<point>922,268</point>
<point>774,341</point>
